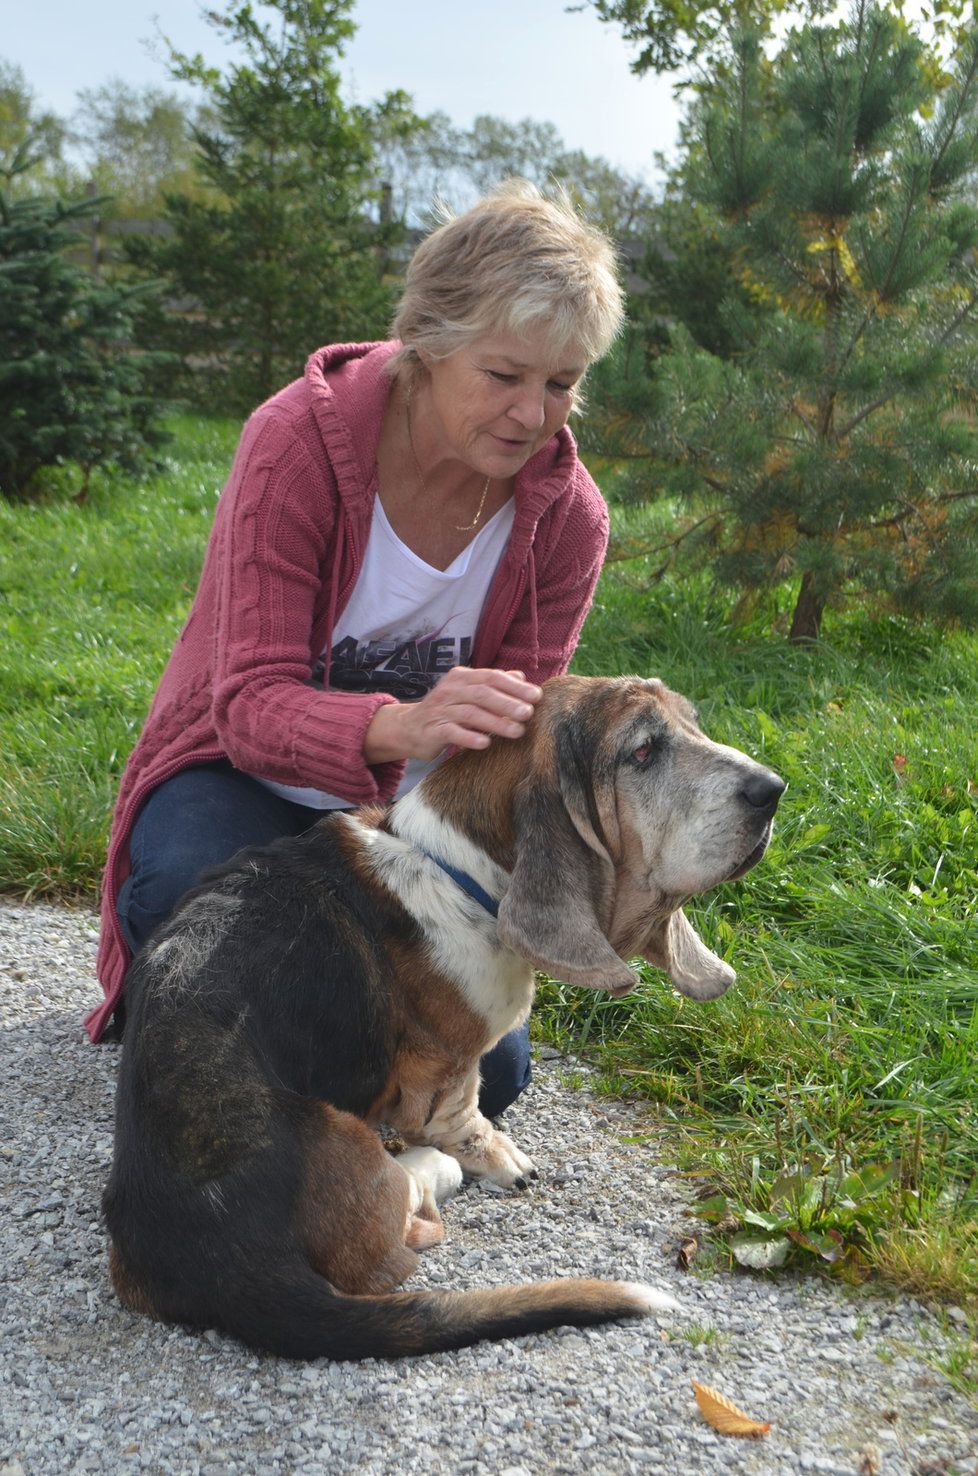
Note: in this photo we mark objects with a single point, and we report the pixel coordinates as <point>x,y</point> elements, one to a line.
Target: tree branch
<point>867,410</point>
<point>864,414</point>
<point>671,544</point>
<point>911,509</point>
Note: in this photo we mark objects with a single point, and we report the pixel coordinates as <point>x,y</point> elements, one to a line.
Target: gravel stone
<point>849,1381</point>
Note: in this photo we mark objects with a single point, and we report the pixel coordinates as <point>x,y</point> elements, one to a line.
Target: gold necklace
<point>459,527</point>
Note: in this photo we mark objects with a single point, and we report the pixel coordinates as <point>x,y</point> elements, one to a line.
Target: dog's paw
<point>507,1165</point>
<point>434,1170</point>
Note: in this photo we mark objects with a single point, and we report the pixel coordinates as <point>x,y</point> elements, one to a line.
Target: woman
<point>407,545</point>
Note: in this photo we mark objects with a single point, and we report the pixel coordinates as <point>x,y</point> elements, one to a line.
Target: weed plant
<point>841,1062</point>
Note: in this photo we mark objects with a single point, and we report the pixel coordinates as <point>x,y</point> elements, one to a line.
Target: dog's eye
<point>643,753</point>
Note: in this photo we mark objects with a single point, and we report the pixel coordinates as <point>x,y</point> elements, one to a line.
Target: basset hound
<point>314,990</point>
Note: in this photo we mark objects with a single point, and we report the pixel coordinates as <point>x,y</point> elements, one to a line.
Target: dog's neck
<point>437,834</point>
<point>473,793</point>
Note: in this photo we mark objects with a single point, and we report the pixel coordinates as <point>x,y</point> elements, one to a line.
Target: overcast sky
<point>511,58</point>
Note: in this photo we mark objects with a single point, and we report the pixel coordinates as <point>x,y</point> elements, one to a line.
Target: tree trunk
<point>806,622</point>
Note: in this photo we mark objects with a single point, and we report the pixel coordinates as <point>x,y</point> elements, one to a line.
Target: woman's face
<point>493,404</point>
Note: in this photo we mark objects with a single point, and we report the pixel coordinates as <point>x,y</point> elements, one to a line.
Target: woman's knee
<point>506,1071</point>
<point>197,820</point>
<point>159,876</point>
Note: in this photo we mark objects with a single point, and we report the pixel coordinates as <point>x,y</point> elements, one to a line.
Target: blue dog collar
<point>470,887</point>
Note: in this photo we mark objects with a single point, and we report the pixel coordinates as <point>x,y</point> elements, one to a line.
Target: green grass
<point>850,1036</point>
<point>91,599</point>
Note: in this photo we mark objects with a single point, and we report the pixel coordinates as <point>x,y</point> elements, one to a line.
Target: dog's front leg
<point>458,1128</point>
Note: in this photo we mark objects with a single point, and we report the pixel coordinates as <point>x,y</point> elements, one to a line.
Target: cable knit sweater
<point>287,544</point>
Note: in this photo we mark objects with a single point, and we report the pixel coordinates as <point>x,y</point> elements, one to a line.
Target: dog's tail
<point>300,1315</point>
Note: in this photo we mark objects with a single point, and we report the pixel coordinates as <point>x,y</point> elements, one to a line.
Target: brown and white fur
<point>311,991</point>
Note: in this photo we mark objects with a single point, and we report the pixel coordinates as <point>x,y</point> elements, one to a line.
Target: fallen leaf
<point>724,1416</point>
<point>760,1253</point>
<point>686,1253</point>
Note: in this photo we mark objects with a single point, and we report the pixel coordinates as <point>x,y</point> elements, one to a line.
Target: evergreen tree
<point>281,256</point>
<point>832,446</point>
<point>72,388</point>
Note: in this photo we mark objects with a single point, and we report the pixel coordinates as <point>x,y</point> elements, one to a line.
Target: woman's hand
<point>466,709</point>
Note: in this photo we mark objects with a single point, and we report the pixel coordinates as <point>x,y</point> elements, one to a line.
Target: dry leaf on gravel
<point>686,1252</point>
<point>723,1415</point>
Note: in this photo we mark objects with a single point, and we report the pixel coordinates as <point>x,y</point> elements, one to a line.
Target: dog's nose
<point>763,790</point>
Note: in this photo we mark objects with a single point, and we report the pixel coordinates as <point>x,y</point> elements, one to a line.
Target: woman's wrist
<point>384,740</point>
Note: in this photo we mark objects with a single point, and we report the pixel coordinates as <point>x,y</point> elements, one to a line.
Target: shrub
<point>72,385</point>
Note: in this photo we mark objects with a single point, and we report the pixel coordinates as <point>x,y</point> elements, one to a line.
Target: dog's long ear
<point>557,891</point>
<point>681,953</point>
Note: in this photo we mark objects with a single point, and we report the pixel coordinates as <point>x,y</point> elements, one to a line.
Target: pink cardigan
<point>285,550</point>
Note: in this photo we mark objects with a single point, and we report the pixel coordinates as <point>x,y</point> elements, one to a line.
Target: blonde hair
<point>516,262</point>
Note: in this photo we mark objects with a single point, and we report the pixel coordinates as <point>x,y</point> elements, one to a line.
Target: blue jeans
<point>199,819</point>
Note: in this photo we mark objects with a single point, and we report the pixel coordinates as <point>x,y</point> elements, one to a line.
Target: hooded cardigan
<point>288,541</point>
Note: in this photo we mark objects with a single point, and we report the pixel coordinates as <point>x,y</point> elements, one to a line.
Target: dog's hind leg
<point>434,1177</point>
<point>361,1216</point>
<point>434,1170</point>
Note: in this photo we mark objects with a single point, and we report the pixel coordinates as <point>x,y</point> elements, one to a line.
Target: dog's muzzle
<point>761,794</point>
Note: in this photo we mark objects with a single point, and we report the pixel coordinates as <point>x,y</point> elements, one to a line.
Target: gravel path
<point>848,1383</point>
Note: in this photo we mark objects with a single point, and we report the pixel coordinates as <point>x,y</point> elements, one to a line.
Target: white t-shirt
<point>405,625</point>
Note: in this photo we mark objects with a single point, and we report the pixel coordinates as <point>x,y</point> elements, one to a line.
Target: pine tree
<point>72,387</point>
<point>832,446</point>
<point>281,255</point>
